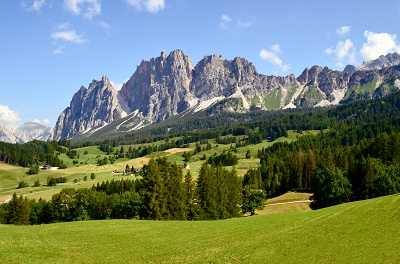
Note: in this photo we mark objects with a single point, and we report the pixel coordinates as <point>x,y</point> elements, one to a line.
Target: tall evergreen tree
<point>152,192</point>
<point>18,210</point>
<point>190,196</point>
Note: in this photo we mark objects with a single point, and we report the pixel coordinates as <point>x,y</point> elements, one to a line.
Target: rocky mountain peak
<point>309,77</point>
<point>7,133</point>
<point>158,87</point>
<point>391,59</point>
<point>32,130</point>
<point>167,85</point>
<point>90,107</point>
<point>24,133</point>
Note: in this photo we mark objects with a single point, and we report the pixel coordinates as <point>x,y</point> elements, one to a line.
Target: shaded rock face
<point>169,84</point>
<point>160,87</point>
<point>213,76</point>
<point>90,107</point>
<point>325,79</point>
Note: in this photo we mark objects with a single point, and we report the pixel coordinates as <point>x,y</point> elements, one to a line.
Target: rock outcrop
<point>90,108</point>
<point>169,84</point>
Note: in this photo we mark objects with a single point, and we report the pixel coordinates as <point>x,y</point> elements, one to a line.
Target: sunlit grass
<point>359,232</point>
<point>11,175</point>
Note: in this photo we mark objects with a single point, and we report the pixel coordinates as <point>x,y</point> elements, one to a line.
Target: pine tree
<point>152,192</point>
<point>207,192</point>
<point>19,210</point>
<point>175,197</point>
<point>189,196</point>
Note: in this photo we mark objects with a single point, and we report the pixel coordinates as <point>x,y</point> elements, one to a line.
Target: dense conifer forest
<point>354,155</point>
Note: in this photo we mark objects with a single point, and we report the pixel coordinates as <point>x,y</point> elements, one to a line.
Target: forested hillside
<point>353,154</point>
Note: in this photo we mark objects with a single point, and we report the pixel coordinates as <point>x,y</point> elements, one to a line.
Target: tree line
<point>163,193</point>
<point>352,164</point>
<point>31,153</point>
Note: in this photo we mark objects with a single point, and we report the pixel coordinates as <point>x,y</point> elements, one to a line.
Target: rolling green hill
<point>359,232</point>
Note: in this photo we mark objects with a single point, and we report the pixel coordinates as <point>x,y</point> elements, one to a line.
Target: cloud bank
<point>89,8</point>
<point>378,44</point>
<point>152,6</point>
<point>8,115</point>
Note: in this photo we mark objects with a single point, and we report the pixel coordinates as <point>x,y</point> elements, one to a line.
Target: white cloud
<point>224,21</point>
<point>59,50</point>
<point>276,48</point>
<point>344,52</point>
<point>104,25</point>
<point>8,115</point>
<point>378,44</point>
<point>152,6</point>
<point>69,36</point>
<point>89,8</point>
<point>64,26</point>
<point>34,5</point>
<point>245,24</point>
<point>117,85</point>
<point>344,30</point>
<point>272,56</point>
<point>43,122</point>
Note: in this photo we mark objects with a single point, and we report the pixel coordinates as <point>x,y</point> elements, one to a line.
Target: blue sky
<point>49,48</point>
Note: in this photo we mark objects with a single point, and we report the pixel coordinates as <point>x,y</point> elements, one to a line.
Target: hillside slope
<point>359,232</point>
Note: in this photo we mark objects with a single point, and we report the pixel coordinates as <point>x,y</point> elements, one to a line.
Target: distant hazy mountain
<point>170,84</point>
<point>391,59</point>
<point>24,133</point>
<point>31,130</point>
<point>7,133</point>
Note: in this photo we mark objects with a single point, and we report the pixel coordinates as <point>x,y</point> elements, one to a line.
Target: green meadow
<point>10,176</point>
<point>359,232</point>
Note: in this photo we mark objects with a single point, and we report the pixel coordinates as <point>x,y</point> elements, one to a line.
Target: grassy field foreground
<point>359,232</point>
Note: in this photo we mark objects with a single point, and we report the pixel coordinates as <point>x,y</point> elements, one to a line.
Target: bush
<point>22,184</point>
<point>34,169</point>
<point>36,183</point>
<point>53,181</point>
<point>92,176</point>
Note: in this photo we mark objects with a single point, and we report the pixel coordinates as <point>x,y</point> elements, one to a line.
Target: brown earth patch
<point>3,198</point>
<point>177,150</point>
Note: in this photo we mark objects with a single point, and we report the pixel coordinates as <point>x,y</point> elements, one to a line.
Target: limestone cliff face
<point>322,86</point>
<point>169,84</point>
<point>89,108</point>
<point>159,88</point>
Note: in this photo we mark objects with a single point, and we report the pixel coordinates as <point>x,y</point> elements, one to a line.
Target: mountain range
<point>169,85</point>
<point>24,133</point>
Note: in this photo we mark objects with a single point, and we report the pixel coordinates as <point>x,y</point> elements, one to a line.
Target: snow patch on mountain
<point>207,103</point>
